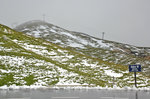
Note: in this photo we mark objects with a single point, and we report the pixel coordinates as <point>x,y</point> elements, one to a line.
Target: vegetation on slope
<point>105,50</point>
<point>25,60</point>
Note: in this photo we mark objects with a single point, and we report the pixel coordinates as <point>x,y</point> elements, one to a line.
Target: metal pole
<point>103,35</point>
<point>136,96</point>
<point>43,17</point>
<point>113,81</point>
<point>135,79</point>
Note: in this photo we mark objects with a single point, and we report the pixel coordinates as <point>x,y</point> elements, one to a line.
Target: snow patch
<point>113,74</point>
<point>68,34</point>
<point>52,30</point>
<point>76,45</point>
<point>43,27</point>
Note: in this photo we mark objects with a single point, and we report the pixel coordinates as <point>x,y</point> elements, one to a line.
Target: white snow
<point>52,30</point>
<point>113,74</point>
<point>1,43</point>
<point>4,71</point>
<point>76,45</point>
<point>86,42</point>
<point>80,42</point>
<point>25,29</point>
<point>43,27</point>
<point>68,34</point>
<point>57,41</point>
<point>36,33</point>
<point>101,44</point>
<point>45,35</point>
<point>76,86</point>
<point>6,31</point>
<point>65,74</point>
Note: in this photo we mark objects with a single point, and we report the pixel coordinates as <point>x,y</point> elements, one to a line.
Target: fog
<point>125,21</point>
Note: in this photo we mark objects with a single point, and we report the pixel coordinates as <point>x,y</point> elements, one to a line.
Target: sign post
<point>135,79</point>
<point>135,68</point>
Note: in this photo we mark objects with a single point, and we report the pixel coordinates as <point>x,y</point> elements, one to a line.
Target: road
<point>73,94</point>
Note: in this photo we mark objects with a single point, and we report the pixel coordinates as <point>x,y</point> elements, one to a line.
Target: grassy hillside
<point>105,50</point>
<point>25,60</point>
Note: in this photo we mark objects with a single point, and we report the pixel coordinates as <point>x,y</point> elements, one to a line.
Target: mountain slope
<point>103,49</point>
<point>25,60</point>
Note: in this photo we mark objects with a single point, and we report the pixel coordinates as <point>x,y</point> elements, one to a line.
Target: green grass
<point>6,79</point>
<point>30,79</point>
<point>33,73</point>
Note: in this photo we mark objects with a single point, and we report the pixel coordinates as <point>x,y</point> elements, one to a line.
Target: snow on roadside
<point>72,87</point>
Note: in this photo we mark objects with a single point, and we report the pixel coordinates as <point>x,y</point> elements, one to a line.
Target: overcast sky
<point>126,21</point>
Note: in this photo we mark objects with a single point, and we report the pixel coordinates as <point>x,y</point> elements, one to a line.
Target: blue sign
<point>134,68</point>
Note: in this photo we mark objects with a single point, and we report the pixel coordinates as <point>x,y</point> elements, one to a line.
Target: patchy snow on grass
<point>74,44</point>
<point>52,30</point>
<point>36,33</point>
<point>67,78</point>
<point>42,51</point>
<point>85,63</point>
<point>42,27</point>
<point>57,41</point>
<point>1,43</point>
<point>69,35</point>
<point>113,74</point>
<point>4,71</point>
<point>103,45</point>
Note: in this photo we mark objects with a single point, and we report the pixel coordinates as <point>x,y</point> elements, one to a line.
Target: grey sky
<point>126,21</point>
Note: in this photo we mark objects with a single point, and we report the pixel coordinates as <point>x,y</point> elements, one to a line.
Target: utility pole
<point>103,33</point>
<point>43,17</point>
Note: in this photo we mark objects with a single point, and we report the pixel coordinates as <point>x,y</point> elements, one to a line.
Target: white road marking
<point>112,98</point>
<point>65,97</point>
<point>18,98</point>
<point>106,98</point>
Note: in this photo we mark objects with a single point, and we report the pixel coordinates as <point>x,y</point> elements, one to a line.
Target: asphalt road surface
<point>73,94</point>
